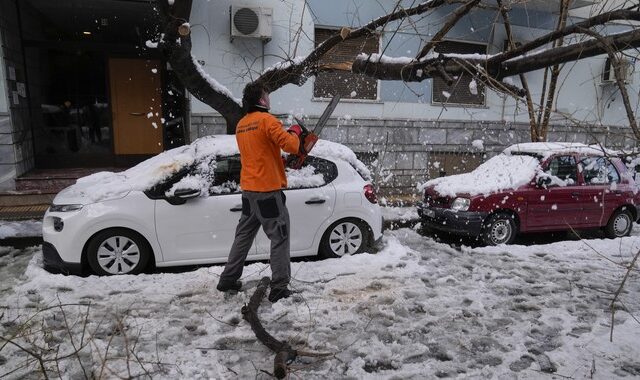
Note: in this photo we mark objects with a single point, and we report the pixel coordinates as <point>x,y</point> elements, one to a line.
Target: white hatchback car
<point>182,206</point>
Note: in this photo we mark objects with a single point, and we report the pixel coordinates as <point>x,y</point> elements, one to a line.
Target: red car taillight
<point>370,193</point>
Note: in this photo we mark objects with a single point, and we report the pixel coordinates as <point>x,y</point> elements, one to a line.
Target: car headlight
<point>461,204</point>
<point>64,208</point>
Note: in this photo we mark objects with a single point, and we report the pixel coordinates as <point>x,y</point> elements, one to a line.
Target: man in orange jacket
<point>260,138</point>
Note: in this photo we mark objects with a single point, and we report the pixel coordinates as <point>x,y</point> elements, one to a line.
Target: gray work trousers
<point>269,211</point>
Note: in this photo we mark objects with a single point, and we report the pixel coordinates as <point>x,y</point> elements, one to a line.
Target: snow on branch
<point>299,72</point>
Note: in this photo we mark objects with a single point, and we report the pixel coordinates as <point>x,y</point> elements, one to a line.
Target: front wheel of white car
<point>118,251</point>
<point>344,237</point>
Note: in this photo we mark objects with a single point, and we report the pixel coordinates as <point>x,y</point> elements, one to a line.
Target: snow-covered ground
<point>415,309</point>
<point>22,228</point>
<point>399,214</point>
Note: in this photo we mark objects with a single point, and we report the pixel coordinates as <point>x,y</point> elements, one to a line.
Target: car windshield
<point>502,172</point>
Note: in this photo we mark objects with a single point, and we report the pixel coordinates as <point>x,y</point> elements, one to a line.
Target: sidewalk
<point>20,234</point>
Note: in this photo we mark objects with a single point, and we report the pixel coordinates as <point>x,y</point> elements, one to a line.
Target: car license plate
<point>429,212</point>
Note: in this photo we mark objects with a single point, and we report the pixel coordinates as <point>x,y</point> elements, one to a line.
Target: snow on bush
<point>502,172</point>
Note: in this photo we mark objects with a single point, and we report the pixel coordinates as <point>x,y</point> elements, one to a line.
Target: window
<point>564,167</point>
<point>460,92</point>
<point>345,83</point>
<point>316,172</point>
<point>226,176</point>
<point>599,171</point>
<point>221,176</point>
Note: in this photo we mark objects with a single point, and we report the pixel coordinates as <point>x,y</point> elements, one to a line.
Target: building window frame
<point>344,99</point>
<point>461,105</point>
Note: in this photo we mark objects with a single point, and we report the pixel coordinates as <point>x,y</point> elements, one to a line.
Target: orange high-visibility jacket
<point>260,137</point>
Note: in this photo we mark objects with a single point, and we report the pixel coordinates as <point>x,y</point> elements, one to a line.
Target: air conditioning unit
<point>608,72</point>
<point>251,22</point>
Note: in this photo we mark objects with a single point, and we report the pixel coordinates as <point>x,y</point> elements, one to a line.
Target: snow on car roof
<point>105,185</point>
<point>545,149</point>
<point>502,172</point>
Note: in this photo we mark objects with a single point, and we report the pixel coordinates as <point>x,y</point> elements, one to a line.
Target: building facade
<point>406,132</point>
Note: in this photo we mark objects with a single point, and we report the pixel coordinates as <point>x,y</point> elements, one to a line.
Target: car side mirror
<point>187,193</point>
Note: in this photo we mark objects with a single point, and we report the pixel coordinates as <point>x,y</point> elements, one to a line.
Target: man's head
<point>255,97</point>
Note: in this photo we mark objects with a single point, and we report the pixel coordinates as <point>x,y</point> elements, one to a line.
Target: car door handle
<point>236,208</point>
<point>315,201</point>
<point>575,194</point>
<point>136,113</point>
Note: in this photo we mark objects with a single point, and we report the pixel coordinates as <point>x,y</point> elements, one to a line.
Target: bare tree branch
<point>523,80</point>
<point>555,74</point>
<point>176,46</point>
<point>453,20</point>
<point>616,65</point>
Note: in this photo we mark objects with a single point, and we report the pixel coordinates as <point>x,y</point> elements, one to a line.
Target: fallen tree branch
<point>285,354</point>
<point>617,294</point>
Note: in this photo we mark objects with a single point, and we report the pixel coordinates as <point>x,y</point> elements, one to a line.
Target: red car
<point>534,187</point>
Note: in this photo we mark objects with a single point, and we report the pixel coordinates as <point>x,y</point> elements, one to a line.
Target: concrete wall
<point>16,140</point>
<point>581,97</point>
<point>403,153</point>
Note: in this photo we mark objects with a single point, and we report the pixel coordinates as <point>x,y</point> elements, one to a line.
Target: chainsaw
<point>295,161</point>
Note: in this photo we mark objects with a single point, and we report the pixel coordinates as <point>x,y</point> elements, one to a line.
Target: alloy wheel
<point>118,255</point>
<point>345,239</point>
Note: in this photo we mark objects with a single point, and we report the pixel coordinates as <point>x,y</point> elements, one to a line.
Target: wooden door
<point>136,105</point>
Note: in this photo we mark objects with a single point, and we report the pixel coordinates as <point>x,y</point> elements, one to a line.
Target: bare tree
<point>490,70</point>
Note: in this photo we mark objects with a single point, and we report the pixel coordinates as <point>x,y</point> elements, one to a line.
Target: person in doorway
<point>260,138</point>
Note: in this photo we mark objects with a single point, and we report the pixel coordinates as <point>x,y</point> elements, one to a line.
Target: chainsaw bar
<point>298,161</point>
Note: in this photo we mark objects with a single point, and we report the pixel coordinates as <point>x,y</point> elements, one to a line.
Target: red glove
<point>295,129</point>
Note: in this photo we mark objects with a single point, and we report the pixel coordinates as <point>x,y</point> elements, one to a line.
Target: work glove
<point>295,129</point>
<point>302,134</point>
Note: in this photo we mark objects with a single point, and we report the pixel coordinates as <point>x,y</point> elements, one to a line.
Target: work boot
<point>225,286</point>
<point>277,294</point>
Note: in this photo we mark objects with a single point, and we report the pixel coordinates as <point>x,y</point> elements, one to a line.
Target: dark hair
<point>251,95</point>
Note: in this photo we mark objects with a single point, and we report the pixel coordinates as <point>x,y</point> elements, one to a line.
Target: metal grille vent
<point>246,20</point>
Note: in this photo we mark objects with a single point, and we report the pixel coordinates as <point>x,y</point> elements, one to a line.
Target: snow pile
<point>546,149</point>
<point>416,309</point>
<point>24,228</point>
<point>330,150</point>
<point>502,172</point>
<point>399,214</point>
<point>304,177</point>
<point>108,185</point>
